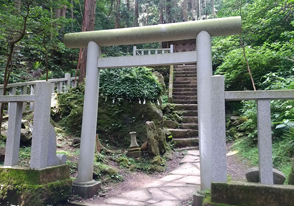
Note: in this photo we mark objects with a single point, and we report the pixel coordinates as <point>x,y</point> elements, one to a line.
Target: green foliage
<point>145,164</point>
<point>122,112</point>
<point>129,83</point>
<point>267,33</point>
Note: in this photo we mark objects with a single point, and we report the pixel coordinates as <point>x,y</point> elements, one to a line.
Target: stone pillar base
<point>198,197</point>
<point>86,189</point>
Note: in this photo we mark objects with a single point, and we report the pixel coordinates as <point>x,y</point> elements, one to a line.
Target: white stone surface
<point>186,169</point>
<point>41,130</point>
<point>13,134</point>
<point>219,160</point>
<point>204,73</point>
<point>90,110</point>
<point>265,142</point>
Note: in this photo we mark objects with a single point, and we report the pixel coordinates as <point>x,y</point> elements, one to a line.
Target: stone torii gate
<point>85,186</point>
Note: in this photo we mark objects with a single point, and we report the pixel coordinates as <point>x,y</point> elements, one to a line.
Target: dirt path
<point>235,166</point>
<point>132,180</point>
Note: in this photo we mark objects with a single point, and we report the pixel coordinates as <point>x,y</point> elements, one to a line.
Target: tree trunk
<point>160,12</point>
<point>88,25</point>
<point>136,14</point>
<point>63,11</point>
<point>72,14</point>
<point>199,6</point>
<point>205,6</point>
<point>212,5</point>
<point>128,5</point>
<point>17,5</point>
<point>168,11</point>
<point>185,10</point>
<point>9,62</point>
<point>117,14</point>
<point>110,9</point>
<point>196,9</point>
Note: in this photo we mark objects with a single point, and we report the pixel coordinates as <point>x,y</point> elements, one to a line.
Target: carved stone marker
<point>135,150</point>
<point>133,140</point>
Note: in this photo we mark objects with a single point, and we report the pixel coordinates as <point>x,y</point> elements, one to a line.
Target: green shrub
<point>129,83</point>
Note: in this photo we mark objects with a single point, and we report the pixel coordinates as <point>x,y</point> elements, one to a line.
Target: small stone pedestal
<point>86,189</point>
<point>134,150</point>
<point>198,197</point>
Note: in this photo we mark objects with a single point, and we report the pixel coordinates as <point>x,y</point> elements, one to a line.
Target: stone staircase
<point>185,102</point>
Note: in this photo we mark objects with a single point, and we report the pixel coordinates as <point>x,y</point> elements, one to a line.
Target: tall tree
<point>136,19</point>
<point>117,16</point>
<point>160,11</point>
<point>199,7</point>
<point>87,25</point>
<point>185,10</point>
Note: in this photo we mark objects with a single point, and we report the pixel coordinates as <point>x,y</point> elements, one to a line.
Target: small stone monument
<point>134,150</point>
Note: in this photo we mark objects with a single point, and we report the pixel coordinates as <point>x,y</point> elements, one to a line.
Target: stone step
<point>187,148</point>
<point>185,66</point>
<point>190,112</point>
<point>186,82</point>
<point>176,79</point>
<point>184,101</point>
<point>184,97</point>
<point>186,142</point>
<point>185,74</point>
<point>188,89</point>
<point>187,119</point>
<point>183,133</point>
<point>188,86</point>
<point>171,124</point>
<point>185,106</point>
<point>184,93</point>
<point>188,126</point>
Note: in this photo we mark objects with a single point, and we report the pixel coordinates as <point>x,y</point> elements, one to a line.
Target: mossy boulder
<point>116,117</point>
<point>117,120</point>
<point>160,79</point>
<point>156,140</point>
<point>23,186</point>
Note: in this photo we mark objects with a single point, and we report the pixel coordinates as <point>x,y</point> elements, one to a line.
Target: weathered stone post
<point>85,186</point>
<point>219,160</point>
<point>265,142</point>
<point>13,134</point>
<point>204,73</point>
<point>40,137</point>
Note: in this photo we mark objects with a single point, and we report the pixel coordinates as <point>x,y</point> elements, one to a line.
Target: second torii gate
<point>85,186</point>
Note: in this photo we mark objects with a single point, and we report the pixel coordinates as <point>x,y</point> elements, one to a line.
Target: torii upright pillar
<point>84,185</point>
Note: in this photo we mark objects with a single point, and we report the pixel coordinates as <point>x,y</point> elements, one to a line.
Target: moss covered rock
<point>116,118</point>
<point>22,186</point>
<point>156,140</point>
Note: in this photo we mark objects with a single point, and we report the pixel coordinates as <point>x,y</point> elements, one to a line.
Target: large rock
<point>252,175</point>
<point>291,176</point>
<point>152,139</point>
<point>160,80</point>
<point>116,120</point>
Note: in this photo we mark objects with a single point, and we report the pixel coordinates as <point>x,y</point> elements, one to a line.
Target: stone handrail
<point>263,98</point>
<point>58,85</point>
<point>152,51</point>
<point>61,84</point>
<point>43,151</point>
